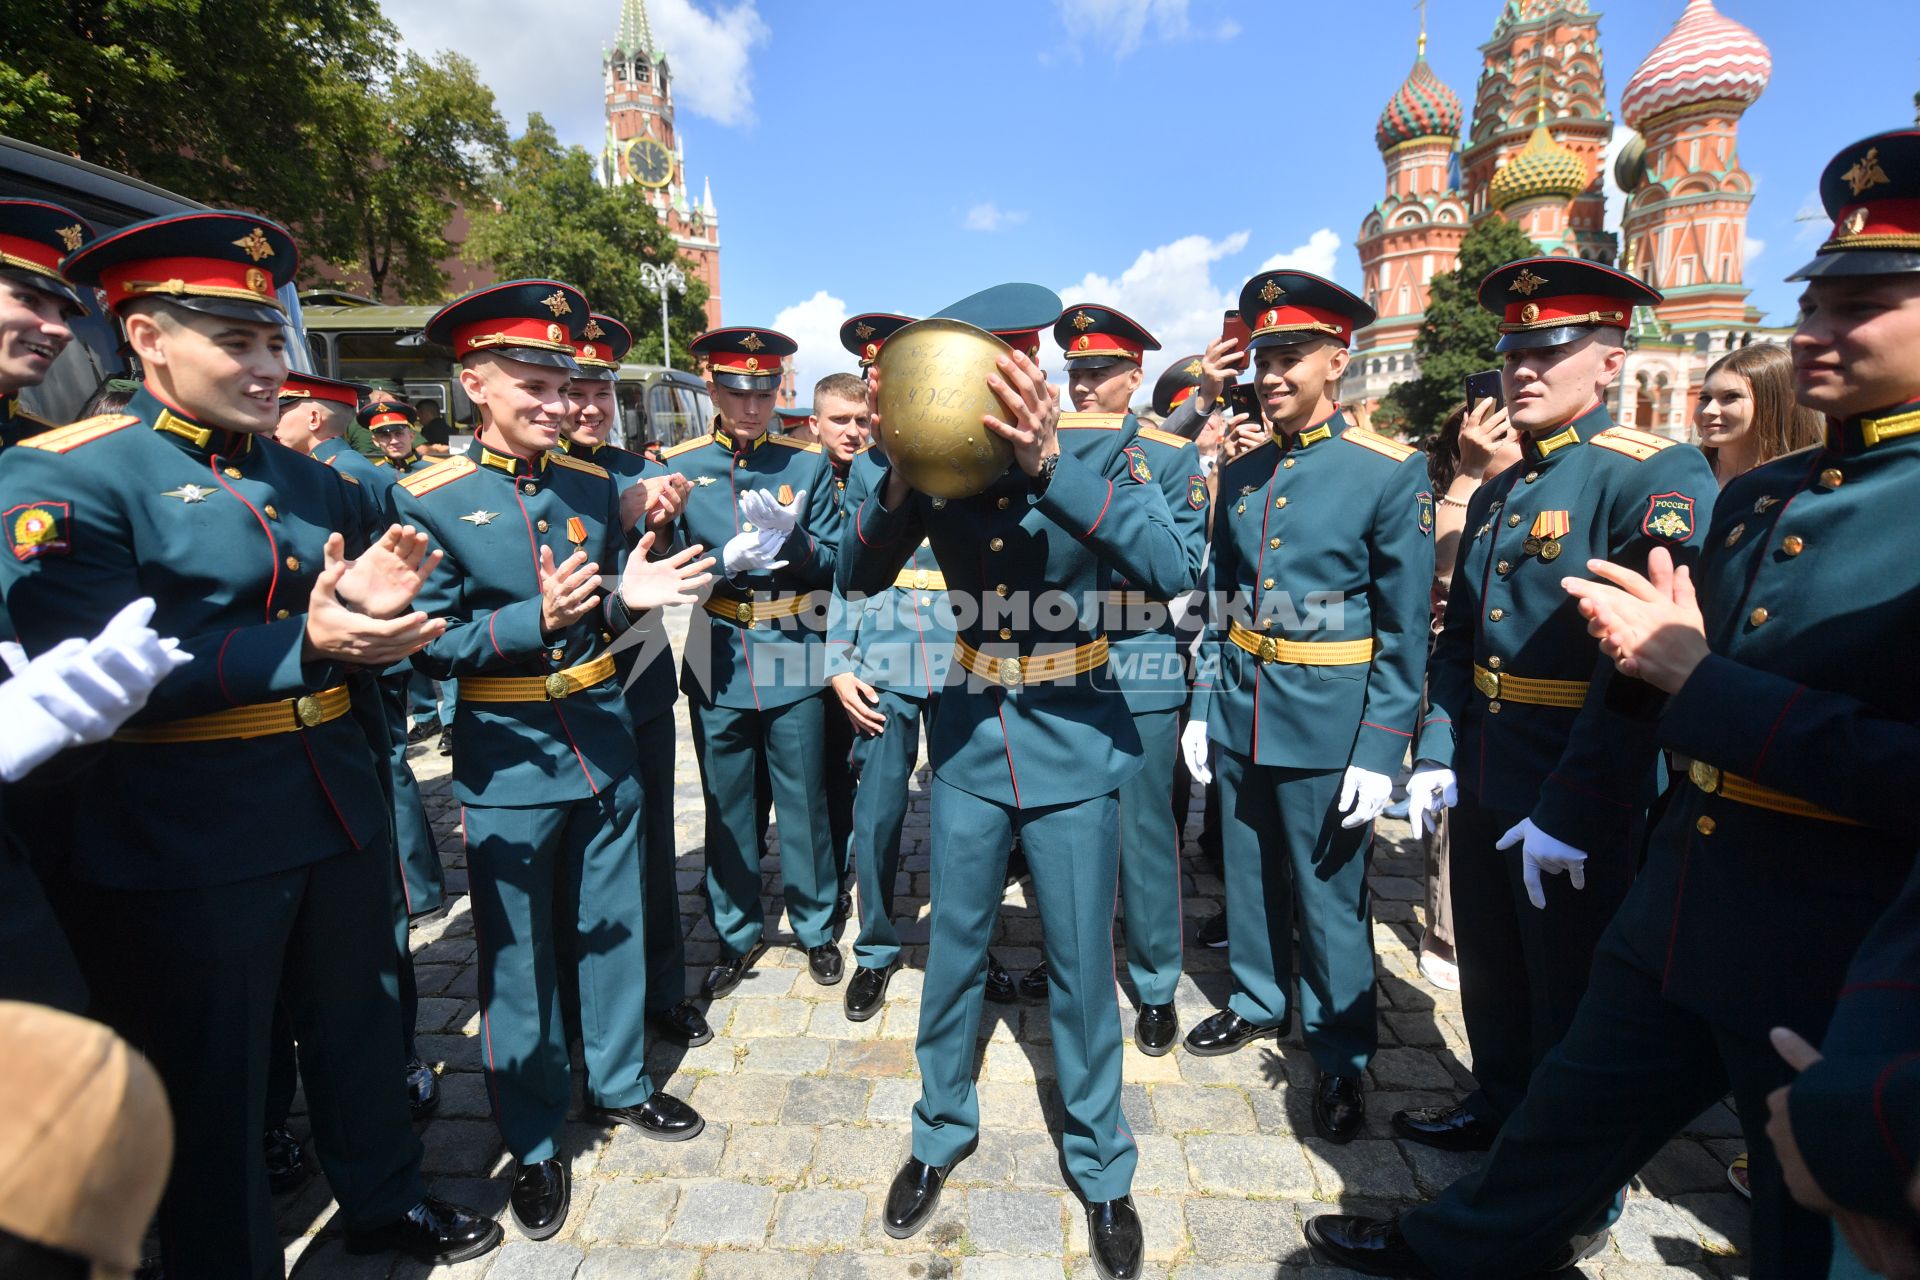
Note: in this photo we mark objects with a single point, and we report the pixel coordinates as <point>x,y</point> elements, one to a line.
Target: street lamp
<point>662,278</point>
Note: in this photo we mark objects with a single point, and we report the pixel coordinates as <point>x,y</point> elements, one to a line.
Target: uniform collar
<point>574,448</point>
<point>1585,425</point>
<point>727,442</point>
<point>172,422</point>
<point>505,462</point>
<point>1306,438</point>
<point>1870,429</point>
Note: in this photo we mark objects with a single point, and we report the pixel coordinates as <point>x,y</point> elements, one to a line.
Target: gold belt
<point>1304,653</point>
<point>1011,673</point>
<point>1129,600</point>
<point>1748,792</point>
<point>262,720</point>
<point>921,580</point>
<point>747,612</point>
<point>561,684</point>
<point>1499,686</point>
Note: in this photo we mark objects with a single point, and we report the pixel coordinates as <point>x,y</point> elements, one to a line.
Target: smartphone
<point>1485,385</point>
<point>1236,328</point>
<point>1242,399</point>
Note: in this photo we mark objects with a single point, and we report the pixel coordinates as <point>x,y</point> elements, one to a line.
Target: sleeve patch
<point>1669,517</point>
<point>1137,464</point>
<point>1197,492</point>
<point>37,529</point>
<point>1424,502</point>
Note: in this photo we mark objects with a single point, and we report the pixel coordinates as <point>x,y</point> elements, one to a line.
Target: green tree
<point>399,156</point>
<point>1457,337</point>
<point>550,217</point>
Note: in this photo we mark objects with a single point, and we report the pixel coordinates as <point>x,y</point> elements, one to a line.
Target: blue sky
<point>1147,153</point>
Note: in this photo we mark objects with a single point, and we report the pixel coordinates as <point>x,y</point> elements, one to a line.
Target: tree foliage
<point>550,217</point>
<point>1457,337</point>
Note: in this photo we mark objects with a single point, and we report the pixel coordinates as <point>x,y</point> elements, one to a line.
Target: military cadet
<point>1310,709</point>
<point>646,670</point>
<point>1554,772</point>
<point>1104,350</point>
<point>545,770</point>
<point>1769,671</point>
<point>206,906</point>
<point>889,656</point>
<point>40,304</point>
<point>1038,739</point>
<point>753,663</point>
<point>391,424</point>
<point>796,423</point>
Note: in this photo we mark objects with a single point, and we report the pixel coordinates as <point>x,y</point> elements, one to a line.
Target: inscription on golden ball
<point>933,394</point>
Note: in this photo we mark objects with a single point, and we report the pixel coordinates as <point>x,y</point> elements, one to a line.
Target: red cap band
<point>1027,340</point>
<point>1298,319</point>
<point>187,277</point>
<point>1571,308</point>
<point>388,419</point>
<point>19,251</point>
<point>741,362</point>
<point>1105,344</point>
<point>299,388</point>
<point>517,331</point>
<point>1181,396</point>
<point>1892,223</point>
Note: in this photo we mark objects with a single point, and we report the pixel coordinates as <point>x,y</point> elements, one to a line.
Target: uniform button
<point>1493,707</point>
<point>997,544</point>
<point>1831,477</point>
<point>1006,633</point>
<point>1288,464</point>
<point>1267,584</point>
<point>1704,825</point>
<point>233,472</point>
<point>273,512</point>
<point>1793,544</point>
<point>1513,520</point>
<point>1004,503</point>
<point>1496,614</point>
<point>1001,590</point>
<point>541,525</point>
<point>926,600</point>
<point>558,655</point>
<point>1532,476</point>
<point>1280,501</point>
<point>293,562</point>
<point>1493,663</point>
<point>1274,543</point>
<point>606,637</point>
<point>281,614</point>
<point>1505,566</point>
<point>527,488</point>
<point>1758,616</point>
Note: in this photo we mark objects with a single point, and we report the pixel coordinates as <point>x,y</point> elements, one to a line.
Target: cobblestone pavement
<point>807,1120</point>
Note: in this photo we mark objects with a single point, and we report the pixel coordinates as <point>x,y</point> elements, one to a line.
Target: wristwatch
<point>1044,476</point>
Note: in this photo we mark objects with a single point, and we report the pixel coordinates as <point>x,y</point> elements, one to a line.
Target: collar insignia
<point>255,245</point>
<point>477,518</point>
<point>557,303</point>
<point>1866,172</point>
<point>1526,282</point>
<point>190,493</point>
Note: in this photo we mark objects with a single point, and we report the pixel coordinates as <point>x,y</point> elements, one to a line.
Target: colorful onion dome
<point>1544,167</point>
<point>1423,108</point>
<point>1707,57</point>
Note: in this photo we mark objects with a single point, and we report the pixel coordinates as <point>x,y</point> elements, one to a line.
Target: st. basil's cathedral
<point>1534,153</point>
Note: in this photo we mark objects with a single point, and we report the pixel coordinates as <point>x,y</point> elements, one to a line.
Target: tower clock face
<point>650,163</point>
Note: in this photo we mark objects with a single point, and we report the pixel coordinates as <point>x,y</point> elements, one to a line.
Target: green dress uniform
<point>1523,707</point>
<point>753,666</point>
<point>1037,742</point>
<point>545,764</point>
<point>1144,656</point>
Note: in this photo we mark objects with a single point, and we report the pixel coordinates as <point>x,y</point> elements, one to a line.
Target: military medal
<point>785,495</point>
<point>576,530</point>
<point>1543,539</point>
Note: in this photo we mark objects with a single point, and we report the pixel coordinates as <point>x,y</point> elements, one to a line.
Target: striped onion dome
<point>1423,108</point>
<point>1707,57</point>
<point>1544,167</point>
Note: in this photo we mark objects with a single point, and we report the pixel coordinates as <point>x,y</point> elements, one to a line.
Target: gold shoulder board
<point>685,446</point>
<point>572,463</point>
<point>348,476</point>
<point>437,475</point>
<point>1638,445</point>
<point>61,439</point>
<point>1163,437</point>
<point>1092,421</point>
<point>794,444</point>
<point>1378,443</point>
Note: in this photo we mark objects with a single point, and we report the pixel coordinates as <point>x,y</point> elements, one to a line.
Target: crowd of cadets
<point>1661,714</point>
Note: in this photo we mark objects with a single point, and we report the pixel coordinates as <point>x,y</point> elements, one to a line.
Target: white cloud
<point>1751,247</point>
<point>1316,255</point>
<point>815,325</point>
<point>711,56</point>
<point>1120,26</point>
<point>988,216</point>
<point>1170,290</point>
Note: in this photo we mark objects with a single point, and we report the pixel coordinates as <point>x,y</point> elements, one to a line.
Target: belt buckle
<point>1269,649</point>
<point>558,686</point>
<point>307,711</point>
<point>1010,674</point>
<point>1704,776</point>
<point>743,613</point>
<point>1487,682</point>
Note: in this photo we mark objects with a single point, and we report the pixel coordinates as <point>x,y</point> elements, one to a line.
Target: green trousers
<point>191,976</point>
<point>1291,867</point>
<point>423,884</point>
<point>1073,850</point>
<point>534,871</point>
<point>666,940</point>
<point>879,812</point>
<point>731,742</point>
<point>1150,862</point>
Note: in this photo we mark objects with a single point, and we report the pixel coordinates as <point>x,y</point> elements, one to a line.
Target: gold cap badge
<point>751,342</point>
<point>1082,321</point>
<point>1271,292</point>
<point>71,237</point>
<point>255,245</point>
<point>557,303</point>
<point>1526,282</point>
<point>593,330</point>
<point>1866,172</point>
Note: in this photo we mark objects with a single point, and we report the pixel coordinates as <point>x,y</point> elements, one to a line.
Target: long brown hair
<point>1780,424</point>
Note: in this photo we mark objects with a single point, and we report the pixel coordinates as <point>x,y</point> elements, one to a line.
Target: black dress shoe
<point>1213,931</point>
<point>726,975</point>
<point>683,1024</point>
<point>825,964</point>
<point>843,906</point>
<point>868,991</point>
<point>286,1161</point>
<point>445,745</point>
<point>913,1197</point>
<point>1339,1107</point>
<point>423,1089</point>
<point>1371,1246</point>
<point>423,730</point>
<point>540,1196</point>
<point>1033,984</point>
<point>1000,988</point>
<point>434,1232</point>
<point>661,1116</point>
<point>1114,1238</point>
<point>1224,1032</point>
<point>1446,1128</point>
<point>1155,1028</point>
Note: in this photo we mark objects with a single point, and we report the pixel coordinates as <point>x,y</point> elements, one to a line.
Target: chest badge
<point>785,495</point>
<point>190,493</point>
<point>1543,539</point>
<point>576,530</point>
<point>1763,505</point>
<point>704,481</point>
<point>1669,517</point>
<point>477,518</point>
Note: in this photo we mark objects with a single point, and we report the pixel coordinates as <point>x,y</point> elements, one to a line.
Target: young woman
<point>1746,413</point>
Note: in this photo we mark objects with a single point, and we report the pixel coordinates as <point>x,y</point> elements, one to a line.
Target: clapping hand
<point>1651,625</point>
<point>383,580</point>
<point>677,579</point>
<point>338,632</point>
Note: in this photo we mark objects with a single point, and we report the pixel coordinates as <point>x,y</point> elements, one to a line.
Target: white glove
<point>1193,748</point>
<point>134,659</point>
<point>748,552</point>
<point>758,507</point>
<point>1363,794</point>
<point>1542,853</point>
<point>1428,792</point>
